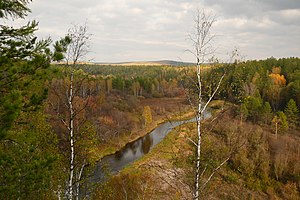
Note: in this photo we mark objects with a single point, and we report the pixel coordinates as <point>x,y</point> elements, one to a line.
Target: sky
<point>148,30</point>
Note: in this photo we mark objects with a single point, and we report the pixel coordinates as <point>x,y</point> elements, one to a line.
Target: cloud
<point>125,30</point>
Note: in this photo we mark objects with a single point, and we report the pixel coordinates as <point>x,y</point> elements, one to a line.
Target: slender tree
<point>276,121</point>
<point>202,49</point>
<point>72,49</point>
<point>147,115</point>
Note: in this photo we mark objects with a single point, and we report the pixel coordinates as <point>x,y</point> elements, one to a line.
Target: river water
<point>134,150</point>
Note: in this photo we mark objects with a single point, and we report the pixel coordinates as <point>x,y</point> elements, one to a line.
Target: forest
<point>59,117</point>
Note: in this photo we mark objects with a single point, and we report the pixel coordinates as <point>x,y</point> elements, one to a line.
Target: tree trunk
<point>78,180</point>
<point>276,129</point>
<point>198,118</point>
<point>71,131</point>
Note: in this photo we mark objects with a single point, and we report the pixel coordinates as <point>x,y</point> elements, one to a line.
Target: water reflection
<point>134,150</point>
<point>118,155</point>
<point>147,143</point>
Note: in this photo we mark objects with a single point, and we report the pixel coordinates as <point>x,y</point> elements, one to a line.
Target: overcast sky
<point>145,30</point>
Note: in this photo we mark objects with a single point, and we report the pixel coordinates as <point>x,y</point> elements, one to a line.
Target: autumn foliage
<point>278,79</point>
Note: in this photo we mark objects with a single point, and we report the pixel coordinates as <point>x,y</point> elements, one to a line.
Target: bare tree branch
<point>192,141</point>
<point>213,173</point>
<point>212,96</point>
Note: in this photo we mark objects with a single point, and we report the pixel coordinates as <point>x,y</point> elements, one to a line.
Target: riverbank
<point>159,174</point>
<point>154,175</point>
<point>168,113</point>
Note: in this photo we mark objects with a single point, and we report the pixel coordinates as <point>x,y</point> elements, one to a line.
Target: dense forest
<point>59,117</point>
<point>263,89</point>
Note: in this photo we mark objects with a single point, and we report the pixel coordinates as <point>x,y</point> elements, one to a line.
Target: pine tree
<point>22,59</point>
<point>254,106</point>
<point>283,125</point>
<point>27,148</point>
<point>292,113</point>
<point>266,112</point>
<point>243,112</point>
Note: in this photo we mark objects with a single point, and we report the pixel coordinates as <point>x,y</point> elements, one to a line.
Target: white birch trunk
<point>71,131</point>
<point>201,39</point>
<point>198,144</point>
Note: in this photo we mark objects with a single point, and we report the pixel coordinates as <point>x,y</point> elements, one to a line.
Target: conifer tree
<point>27,145</point>
<point>292,113</point>
<point>22,59</point>
<point>243,112</point>
<point>266,112</point>
<point>283,125</point>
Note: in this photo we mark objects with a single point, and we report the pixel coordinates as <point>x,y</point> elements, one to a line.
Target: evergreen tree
<point>243,112</point>
<point>27,147</point>
<point>14,8</point>
<point>292,113</point>
<point>28,160</point>
<point>283,125</point>
<point>266,112</point>
<point>22,59</point>
<point>253,105</point>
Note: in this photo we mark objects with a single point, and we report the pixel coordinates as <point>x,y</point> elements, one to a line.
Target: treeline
<point>111,103</point>
<point>268,91</point>
<point>146,81</point>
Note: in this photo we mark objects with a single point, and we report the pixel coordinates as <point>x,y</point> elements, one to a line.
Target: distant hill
<point>174,63</point>
<point>156,63</point>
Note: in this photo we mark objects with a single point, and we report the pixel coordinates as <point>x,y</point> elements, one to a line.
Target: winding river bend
<point>135,150</point>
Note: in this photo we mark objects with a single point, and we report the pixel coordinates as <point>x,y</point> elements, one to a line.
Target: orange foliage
<point>278,79</point>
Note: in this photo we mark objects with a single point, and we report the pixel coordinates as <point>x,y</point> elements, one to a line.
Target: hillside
<point>149,63</point>
<point>262,166</point>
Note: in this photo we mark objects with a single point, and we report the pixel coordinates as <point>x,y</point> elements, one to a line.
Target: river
<point>134,150</point>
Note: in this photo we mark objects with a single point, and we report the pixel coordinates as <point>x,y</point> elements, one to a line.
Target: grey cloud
<point>126,30</point>
<point>251,8</point>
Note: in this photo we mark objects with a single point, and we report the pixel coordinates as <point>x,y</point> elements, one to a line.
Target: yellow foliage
<point>278,79</point>
<point>147,115</point>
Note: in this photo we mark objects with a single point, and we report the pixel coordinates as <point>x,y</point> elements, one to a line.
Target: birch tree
<point>201,40</point>
<point>72,50</point>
